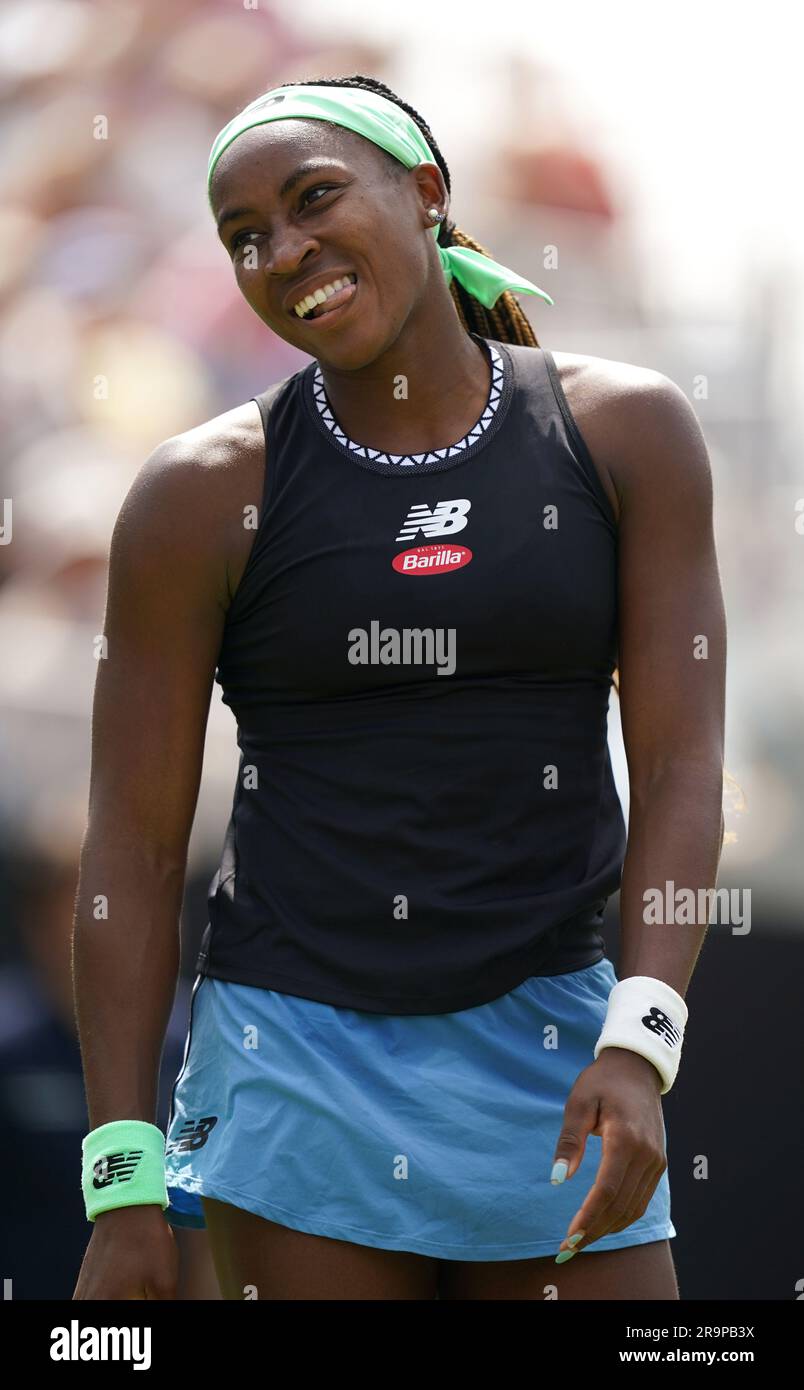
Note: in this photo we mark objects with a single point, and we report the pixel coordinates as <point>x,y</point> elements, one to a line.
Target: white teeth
<point>320,296</point>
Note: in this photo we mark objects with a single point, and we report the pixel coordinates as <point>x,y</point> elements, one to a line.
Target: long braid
<point>506,321</point>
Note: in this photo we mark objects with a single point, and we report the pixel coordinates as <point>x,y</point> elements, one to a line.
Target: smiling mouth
<point>326,299</point>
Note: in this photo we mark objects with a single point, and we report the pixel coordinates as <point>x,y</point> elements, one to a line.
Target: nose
<point>288,247</point>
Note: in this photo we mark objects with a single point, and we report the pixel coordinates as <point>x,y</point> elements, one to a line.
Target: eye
<point>237,239</point>
<point>316,188</point>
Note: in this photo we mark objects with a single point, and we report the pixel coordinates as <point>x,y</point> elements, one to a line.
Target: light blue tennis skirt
<point>432,1133</point>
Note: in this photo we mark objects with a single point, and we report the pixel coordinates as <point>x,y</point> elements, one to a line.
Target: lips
<point>312,294</point>
<point>327,318</point>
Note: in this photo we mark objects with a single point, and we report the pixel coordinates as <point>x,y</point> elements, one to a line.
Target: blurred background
<point>636,161</point>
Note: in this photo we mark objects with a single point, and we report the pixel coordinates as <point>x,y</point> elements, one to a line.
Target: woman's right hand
<point>131,1254</point>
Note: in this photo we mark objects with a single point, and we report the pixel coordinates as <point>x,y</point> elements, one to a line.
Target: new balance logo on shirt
<point>445,519</point>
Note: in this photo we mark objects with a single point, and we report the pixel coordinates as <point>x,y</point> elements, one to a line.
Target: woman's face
<point>302,203</point>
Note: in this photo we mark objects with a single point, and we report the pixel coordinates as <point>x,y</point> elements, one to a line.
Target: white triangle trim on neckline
<point>409,460</point>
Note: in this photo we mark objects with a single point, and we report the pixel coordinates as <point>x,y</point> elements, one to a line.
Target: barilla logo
<point>432,559</point>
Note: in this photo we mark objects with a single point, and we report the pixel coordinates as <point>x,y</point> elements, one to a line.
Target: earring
<point>435,215</point>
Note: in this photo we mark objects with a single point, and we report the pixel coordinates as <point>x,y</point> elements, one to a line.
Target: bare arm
<point>672,678</point>
<point>164,620</point>
<point>672,657</point>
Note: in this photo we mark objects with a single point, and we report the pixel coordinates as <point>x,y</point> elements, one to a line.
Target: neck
<point>424,392</point>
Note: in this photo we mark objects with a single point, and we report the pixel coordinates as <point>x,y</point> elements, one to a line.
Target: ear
<point>431,189</point>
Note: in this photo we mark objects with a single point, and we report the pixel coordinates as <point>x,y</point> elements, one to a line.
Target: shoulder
<point>201,461</point>
<point>637,423</point>
<point>190,496</point>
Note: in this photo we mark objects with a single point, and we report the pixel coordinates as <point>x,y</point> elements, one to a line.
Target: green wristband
<point>123,1166</point>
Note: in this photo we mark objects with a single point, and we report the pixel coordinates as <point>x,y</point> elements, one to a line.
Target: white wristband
<point>646,1016</point>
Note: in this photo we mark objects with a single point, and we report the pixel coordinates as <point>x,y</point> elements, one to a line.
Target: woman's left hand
<point>619,1098</point>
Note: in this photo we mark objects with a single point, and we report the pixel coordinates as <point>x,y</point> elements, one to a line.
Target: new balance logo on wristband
<point>118,1168</point>
<point>658,1022</point>
<point>193,1135</point>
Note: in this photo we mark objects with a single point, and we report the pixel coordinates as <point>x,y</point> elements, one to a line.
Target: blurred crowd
<point>120,325</point>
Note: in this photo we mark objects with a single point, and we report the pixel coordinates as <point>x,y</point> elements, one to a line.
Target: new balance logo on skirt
<point>192,1135</point>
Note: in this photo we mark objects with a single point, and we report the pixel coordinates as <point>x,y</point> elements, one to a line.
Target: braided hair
<point>505,321</point>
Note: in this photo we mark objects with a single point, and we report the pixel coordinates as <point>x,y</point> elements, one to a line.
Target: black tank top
<point>419,659</point>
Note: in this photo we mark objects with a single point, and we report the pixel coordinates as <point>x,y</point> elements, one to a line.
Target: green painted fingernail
<point>564,1256</point>
<point>560,1168</point>
<point>573,1240</point>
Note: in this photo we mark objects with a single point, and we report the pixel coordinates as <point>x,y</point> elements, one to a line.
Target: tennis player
<point>414,567</point>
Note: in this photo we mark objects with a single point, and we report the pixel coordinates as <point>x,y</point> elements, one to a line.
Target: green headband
<point>387,125</point>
